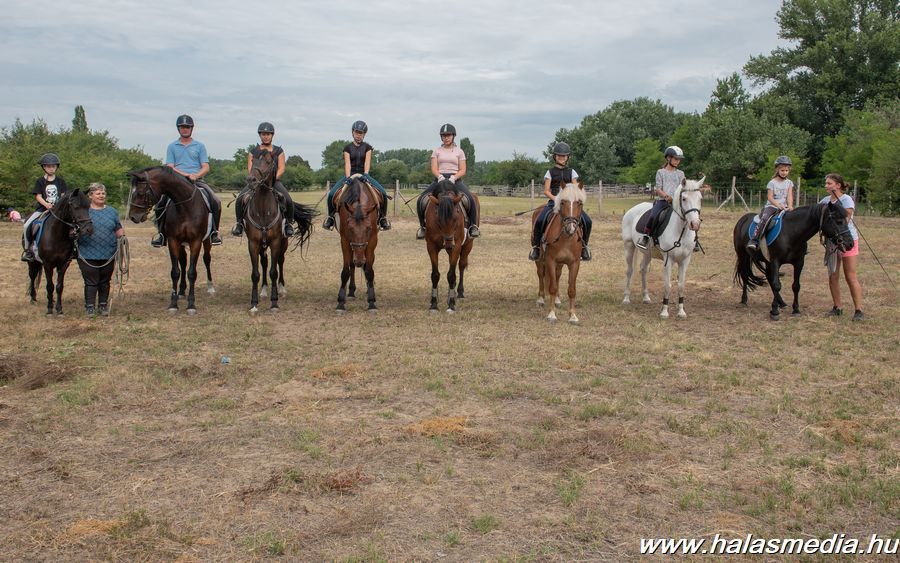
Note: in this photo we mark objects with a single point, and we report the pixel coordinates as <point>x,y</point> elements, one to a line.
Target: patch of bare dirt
<point>28,373</point>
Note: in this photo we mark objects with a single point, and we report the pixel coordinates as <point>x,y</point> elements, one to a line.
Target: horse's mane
<point>571,192</point>
<point>445,189</point>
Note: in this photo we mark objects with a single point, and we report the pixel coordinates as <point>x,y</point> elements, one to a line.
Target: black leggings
<point>462,188</point>
<point>288,207</point>
<point>96,280</point>
<point>215,206</point>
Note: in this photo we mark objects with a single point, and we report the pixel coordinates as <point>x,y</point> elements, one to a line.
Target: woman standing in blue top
<point>358,160</point>
<point>97,251</point>
<point>834,185</point>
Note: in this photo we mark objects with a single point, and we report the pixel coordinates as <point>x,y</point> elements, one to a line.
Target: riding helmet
<point>49,158</point>
<point>562,149</point>
<point>360,126</point>
<point>184,121</point>
<point>675,152</point>
<point>266,127</point>
<point>447,129</point>
<point>783,160</point>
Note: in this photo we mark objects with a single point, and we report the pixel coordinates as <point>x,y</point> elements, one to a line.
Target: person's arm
<point>461,172</point>
<point>346,164</point>
<point>771,198</point>
<point>249,162</point>
<point>119,232</point>
<point>40,199</point>
<point>204,170</point>
<point>547,191</point>
<point>790,197</point>
<point>660,192</point>
<point>434,168</point>
<point>280,172</point>
<point>368,163</point>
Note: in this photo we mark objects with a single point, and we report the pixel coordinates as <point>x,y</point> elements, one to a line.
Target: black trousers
<point>462,188</point>
<point>96,280</point>
<point>288,208</point>
<point>215,206</point>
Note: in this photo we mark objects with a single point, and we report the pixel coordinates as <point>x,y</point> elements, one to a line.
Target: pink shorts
<point>853,251</point>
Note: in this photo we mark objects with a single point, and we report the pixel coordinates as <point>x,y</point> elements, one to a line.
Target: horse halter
<point>150,199</point>
<point>76,227</point>
<point>838,237</point>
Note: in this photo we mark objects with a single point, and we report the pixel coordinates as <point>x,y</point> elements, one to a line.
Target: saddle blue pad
<point>774,228</point>
<point>39,225</point>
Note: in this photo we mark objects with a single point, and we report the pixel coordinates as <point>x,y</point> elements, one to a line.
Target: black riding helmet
<point>360,126</point>
<point>674,151</point>
<point>266,127</point>
<point>447,129</point>
<point>562,149</point>
<point>184,120</point>
<point>49,158</point>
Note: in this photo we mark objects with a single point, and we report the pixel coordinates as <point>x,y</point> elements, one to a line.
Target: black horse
<point>67,220</point>
<point>798,226</point>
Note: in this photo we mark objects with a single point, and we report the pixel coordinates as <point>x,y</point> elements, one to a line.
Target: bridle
<point>838,237</point>
<point>76,227</point>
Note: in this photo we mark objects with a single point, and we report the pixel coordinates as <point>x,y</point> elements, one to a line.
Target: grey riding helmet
<point>184,120</point>
<point>674,151</point>
<point>49,158</point>
<point>562,149</point>
<point>360,126</point>
<point>783,160</point>
<point>447,129</point>
<point>266,127</point>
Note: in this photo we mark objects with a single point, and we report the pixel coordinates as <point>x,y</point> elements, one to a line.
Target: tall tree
<point>79,122</point>
<point>333,154</point>
<point>729,93</point>
<point>469,149</point>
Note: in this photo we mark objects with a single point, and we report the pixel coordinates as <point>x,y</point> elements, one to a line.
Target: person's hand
<point>440,177</point>
<point>669,198</point>
<point>193,177</point>
<point>453,178</point>
<point>48,205</point>
<point>790,208</point>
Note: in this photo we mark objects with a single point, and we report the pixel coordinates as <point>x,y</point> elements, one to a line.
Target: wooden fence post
<point>396,195</point>
<point>797,195</point>
<point>600,199</point>
<point>532,192</point>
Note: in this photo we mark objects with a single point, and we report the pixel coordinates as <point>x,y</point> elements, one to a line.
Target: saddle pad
<point>661,221</point>
<point>773,229</point>
<point>424,202</point>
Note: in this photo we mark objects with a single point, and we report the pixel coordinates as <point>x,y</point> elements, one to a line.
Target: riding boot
<point>382,218</point>
<point>158,240</point>
<point>535,253</point>
<point>328,223</point>
<point>644,242</point>
<point>585,253</point>
<point>216,211</point>
<point>288,229</point>
<point>214,238</point>
<point>238,229</point>
<point>474,232</point>
<point>420,234</point>
<point>28,255</point>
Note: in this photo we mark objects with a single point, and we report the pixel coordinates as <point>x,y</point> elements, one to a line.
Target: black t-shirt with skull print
<point>50,189</point>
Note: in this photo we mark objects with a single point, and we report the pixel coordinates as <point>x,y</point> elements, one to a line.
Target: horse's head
<point>262,171</point>
<point>834,225</point>
<point>688,200</point>
<point>74,210</point>
<point>449,220</point>
<point>359,218</point>
<point>569,203</point>
<point>142,196</point>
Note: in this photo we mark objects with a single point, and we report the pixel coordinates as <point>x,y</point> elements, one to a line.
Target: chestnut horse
<point>185,222</point>
<point>445,229</point>
<point>62,226</point>
<point>357,206</point>
<point>562,246</point>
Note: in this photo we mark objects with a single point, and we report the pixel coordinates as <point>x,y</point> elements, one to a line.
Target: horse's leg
<point>629,270</point>
<point>33,269</point>
<point>435,274</point>
<point>541,266</point>
<point>351,294</point>
<point>273,275</point>
<point>370,282</point>
<point>775,282</point>
<point>60,282</point>
<point>264,267</point>
<point>463,264</point>
<point>551,280</point>
<point>192,277</point>
<point>667,287</point>
<point>182,261</point>
<point>175,257</point>
<point>682,275</point>
<point>451,279</point>
<point>207,261</point>
<point>798,268</point>
<point>573,276</point>
<point>48,273</point>
<point>345,277</point>
<point>645,266</point>
<point>282,291</point>
<point>253,250</point>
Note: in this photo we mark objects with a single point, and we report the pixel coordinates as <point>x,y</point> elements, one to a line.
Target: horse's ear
<point>457,198</point>
<point>683,182</point>
<point>580,184</point>
<point>702,179</point>
<point>433,199</point>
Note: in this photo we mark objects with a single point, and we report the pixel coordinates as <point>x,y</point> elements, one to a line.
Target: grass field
<point>405,435</point>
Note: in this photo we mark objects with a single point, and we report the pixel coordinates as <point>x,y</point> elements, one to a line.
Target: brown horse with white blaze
<point>445,229</point>
<point>358,206</point>
<point>562,247</point>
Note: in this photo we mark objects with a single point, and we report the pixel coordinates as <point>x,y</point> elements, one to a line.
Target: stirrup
<point>585,254</point>
<point>238,230</point>
<point>214,238</point>
<point>384,224</point>
<point>535,253</point>
<point>328,223</point>
<point>158,240</point>
<point>474,232</point>
<point>643,242</point>
<point>420,234</point>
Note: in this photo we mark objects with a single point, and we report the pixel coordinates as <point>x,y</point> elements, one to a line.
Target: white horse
<point>676,244</point>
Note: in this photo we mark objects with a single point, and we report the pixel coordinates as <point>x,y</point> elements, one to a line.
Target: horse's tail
<point>743,272</point>
<point>303,216</point>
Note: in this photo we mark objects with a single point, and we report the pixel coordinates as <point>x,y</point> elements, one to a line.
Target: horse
<point>65,222</point>
<point>185,223</point>
<point>798,226</point>
<point>563,241</point>
<point>676,243</point>
<point>358,207</point>
<point>445,229</point>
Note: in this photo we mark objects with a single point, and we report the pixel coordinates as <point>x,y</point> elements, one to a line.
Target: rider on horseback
<point>357,160</point>
<point>668,178</point>
<point>266,133</point>
<point>780,192</point>
<point>188,158</point>
<point>448,161</point>
<point>47,190</point>
<point>554,180</point>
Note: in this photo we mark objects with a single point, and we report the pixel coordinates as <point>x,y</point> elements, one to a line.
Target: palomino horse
<point>445,229</point>
<point>62,226</point>
<point>676,243</point>
<point>357,206</point>
<point>798,226</point>
<point>185,222</point>
<point>562,246</point>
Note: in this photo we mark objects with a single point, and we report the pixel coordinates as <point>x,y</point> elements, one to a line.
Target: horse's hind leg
<point>798,268</point>
<point>48,273</point>
<point>60,283</point>
<point>175,273</point>
<point>463,264</point>
<point>264,267</point>
<point>551,280</point>
<point>435,276</point>
<point>451,282</point>
<point>682,275</point>
<point>629,270</point>
<point>273,276</point>
<point>775,283</point>
<point>192,277</point>
<point>667,289</point>
<point>254,276</point>
<point>573,276</point>
<point>34,270</point>
<point>207,261</point>
<point>182,260</point>
<point>370,284</point>
<point>351,294</point>
<point>645,265</point>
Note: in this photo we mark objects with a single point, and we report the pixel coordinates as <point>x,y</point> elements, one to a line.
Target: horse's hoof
<point>450,311</point>
<point>254,310</point>
<point>682,315</point>
<point>372,310</point>
<point>263,293</point>
<point>626,301</point>
<point>211,290</point>
<point>574,320</point>
<point>351,296</point>
<point>539,302</point>
<point>795,313</point>
<point>460,296</point>
<point>664,315</point>
<point>191,311</point>
<point>551,317</point>
<point>433,310</point>
<point>773,317</point>
<point>274,309</point>
<point>173,310</point>
<point>645,300</point>
<point>48,314</point>
<point>340,311</point>
<point>281,290</point>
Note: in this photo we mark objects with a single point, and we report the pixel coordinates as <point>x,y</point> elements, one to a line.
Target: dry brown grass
<point>405,435</point>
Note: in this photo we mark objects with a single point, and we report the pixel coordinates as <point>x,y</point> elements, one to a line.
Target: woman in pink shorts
<point>835,186</point>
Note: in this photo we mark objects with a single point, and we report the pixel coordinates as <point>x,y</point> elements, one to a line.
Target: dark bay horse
<point>65,222</point>
<point>357,207</point>
<point>798,226</point>
<point>185,222</point>
<point>264,226</point>
<point>445,229</point>
<point>563,236</point>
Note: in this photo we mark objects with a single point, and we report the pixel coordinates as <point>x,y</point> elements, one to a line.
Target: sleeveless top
<point>357,156</point>
<point>258,151</point>
<point>557,176</point>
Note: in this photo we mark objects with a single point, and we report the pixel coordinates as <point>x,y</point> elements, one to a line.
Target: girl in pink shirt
<point>448,161</point>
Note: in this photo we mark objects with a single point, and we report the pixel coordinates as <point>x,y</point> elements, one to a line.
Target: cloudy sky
<point>507,73</point>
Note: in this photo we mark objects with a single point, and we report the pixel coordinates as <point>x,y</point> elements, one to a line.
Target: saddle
<point>661,222</point>
<point>339,195</point>
<point>423,203</point>
<point>771,229</point>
